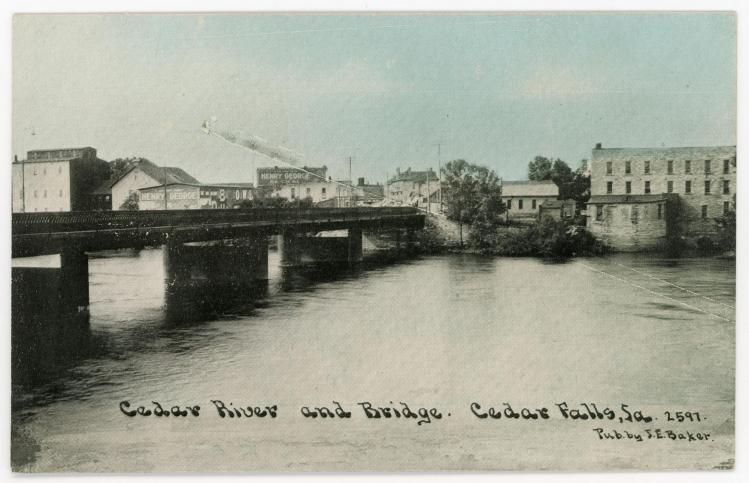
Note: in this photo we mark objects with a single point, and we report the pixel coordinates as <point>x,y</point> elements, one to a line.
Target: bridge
<point>72,234</point>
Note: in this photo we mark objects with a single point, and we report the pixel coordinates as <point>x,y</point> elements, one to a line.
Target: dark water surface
<point>446,331</point>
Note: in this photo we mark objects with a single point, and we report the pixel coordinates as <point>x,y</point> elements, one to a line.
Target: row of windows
<point>670,167</point>
<point>44,170</point>
<point>44,194</point>
<point>308,192</point>
<point>670,187</point>
<point>703,212</point>
<point>520,204</point>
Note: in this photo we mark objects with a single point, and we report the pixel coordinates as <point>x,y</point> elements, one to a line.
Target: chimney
<point>361,181</point>
<point>598,146</point>
<point>15,158</point>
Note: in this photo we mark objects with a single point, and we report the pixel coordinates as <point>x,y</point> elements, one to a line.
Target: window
<point>726,207</point>
<point>293,193</point>
<point>670,166</point>
<point>599,212</point>
<point>670,186</point>
<point>59,170</point>
<point>726,187</point>
<point>707,187</point>
<point>308,191</point>
<point>647,167</point>
<point>533,204</point>
<point>35,171</point>
<point>36,194</point>
<point>60,193</point>
<point>44,171</point>
<point>45,193</point>
<point>520,204</point>
<point>660,211</point>
<point>323,194</point>
<point>647,187</point>
<point>704,211</point>
<point>726,166</point>
<point>628,167</point>
<point>687,186</point>
<point>707,166</point>
<point>609,187</point>
<point>688,166</point>
<point>609,167</point>
<point>628,187</point>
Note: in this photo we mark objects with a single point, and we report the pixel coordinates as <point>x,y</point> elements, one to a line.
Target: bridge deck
<point>44,233</point>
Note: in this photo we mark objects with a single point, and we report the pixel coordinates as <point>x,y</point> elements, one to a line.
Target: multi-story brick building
<point>57,180</point>
<point>684,189</point>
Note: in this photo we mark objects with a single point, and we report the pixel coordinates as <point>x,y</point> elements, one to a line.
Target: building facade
<point>523,199</point>
<point>145,174</point>
<point>57,180</point>
<point>413,188</point>
<point>184,196</point>
<point>700,182</point>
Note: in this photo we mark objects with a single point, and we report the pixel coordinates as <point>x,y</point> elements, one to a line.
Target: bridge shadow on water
<point>46,344</point>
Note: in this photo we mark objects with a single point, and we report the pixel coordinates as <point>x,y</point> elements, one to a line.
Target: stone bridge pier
<point>298,248</point>
<point>232,262</point>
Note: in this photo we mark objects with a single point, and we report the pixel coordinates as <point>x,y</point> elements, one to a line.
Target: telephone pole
<point>439,171</point>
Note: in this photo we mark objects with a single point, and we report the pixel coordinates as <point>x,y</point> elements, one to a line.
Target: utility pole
<point>165,205</point>
<point>350,181</point>
<point>439,171</point>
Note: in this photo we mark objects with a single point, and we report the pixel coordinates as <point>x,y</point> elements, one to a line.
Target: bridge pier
<point>240,261</point>
<point>74,294</point>
<point>303,248</point>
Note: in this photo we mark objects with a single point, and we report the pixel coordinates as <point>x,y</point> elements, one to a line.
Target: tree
<point>472,194</point>
<point>539,169</point>
<point>131,203</point>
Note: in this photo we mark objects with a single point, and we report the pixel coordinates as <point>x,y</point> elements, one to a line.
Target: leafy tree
<point>539,169</point>
<point>472,195</point>
<point>131,203</point>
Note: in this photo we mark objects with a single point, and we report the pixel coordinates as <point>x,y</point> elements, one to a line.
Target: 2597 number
<point>681,416</point>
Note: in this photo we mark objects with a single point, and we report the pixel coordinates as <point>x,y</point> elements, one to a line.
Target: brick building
<point>57,180</point>
<point>628,186</point>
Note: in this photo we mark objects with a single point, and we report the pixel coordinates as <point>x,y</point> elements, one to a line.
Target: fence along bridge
<point>72,234</point>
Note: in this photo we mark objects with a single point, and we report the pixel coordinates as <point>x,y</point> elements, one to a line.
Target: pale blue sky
<point>495,89</point>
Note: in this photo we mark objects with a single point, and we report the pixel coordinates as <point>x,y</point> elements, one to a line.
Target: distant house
<point>523,199</point>
<point>57,179</point>
<point>413,188</point>
<point>145,174</point>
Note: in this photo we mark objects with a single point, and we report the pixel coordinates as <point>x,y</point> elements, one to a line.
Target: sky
<point>385,89</point>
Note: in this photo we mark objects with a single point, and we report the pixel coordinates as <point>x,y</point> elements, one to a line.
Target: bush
<point>547,238</point>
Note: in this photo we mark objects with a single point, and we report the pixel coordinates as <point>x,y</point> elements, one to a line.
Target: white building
<point>57,180</point>
<point>145,174</point>
<point>523,198</point>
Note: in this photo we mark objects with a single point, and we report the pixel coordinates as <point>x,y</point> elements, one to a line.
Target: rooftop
<point>530,188</point>
<point>161,175</point>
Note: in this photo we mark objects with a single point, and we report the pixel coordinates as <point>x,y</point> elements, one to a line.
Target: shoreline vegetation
<point>475,222</point>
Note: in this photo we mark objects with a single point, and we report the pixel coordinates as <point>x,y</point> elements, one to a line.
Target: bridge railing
<point>28,223</point>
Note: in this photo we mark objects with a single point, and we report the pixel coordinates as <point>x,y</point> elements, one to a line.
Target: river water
<point>446,331</point>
